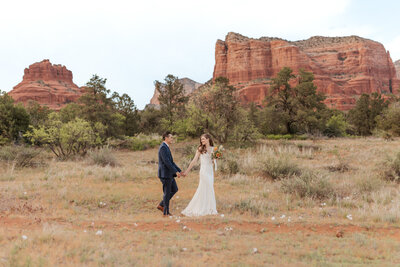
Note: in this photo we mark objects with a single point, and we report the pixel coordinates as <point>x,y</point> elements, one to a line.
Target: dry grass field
<point>335,209</point>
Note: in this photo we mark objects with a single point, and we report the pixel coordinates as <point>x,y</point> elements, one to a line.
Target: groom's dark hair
<point>165,135</point>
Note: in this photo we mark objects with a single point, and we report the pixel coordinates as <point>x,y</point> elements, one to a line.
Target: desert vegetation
<point>279,202</point>
<point>298,184</point>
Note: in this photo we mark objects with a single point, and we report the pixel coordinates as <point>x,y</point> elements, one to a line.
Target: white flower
<point>24,237</point>
<point>273,218</point>
<point>25,193</point>
<point>349,217</point>
<point>222,215</point>
<point>99,232</point>
<point>283,216</point>
<point>289,219</point>
<point>255,250</point>
<point>323,204</point>
<point>135,224</point>
<point>178,221</point>
<point>84,231</point>
<point>184,227</point>
<point>184,249</point>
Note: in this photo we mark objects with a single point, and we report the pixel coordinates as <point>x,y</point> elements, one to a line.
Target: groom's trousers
<point>170,188</point>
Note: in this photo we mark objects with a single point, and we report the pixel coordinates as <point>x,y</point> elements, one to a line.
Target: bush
<point>67,139</point>
<point>389,120</point>
<point>143,142</point>
<point>391,169</point>
<point>336,126</point>
<point>278,167</point>
<point>280,136</point>
<point>247,206</point>
<point>20,156</point>
<point>103,157</point>
<point>308,184</point>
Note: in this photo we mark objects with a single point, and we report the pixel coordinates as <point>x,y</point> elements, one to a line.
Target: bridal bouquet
<point>217,152</point>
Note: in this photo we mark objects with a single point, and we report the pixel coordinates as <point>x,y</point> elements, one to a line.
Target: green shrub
<point>368,184</point>
<point>286,137</point>
<point>66,139</point>
<point>336,126</point>
<point>143,142</point>
<point>278,166</point>
<point>20,156</point>
<point>247,206</point>
<point>280,136</point>
<point>308,184</point>
<point>103,156</point>
<point>4,140</point>
<point>391,169</point>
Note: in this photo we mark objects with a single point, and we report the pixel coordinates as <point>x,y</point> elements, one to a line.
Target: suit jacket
<point>166,166</point>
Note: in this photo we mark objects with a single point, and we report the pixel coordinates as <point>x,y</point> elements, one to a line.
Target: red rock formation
<point>397,66</point>
<point>50,85</point>
<point>189,86</point>
<point>344,67</point>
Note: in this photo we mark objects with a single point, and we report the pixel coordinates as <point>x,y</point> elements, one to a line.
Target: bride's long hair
<point>202,148</point>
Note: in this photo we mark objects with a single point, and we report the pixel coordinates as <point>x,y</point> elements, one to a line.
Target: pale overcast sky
<point>133,43</point>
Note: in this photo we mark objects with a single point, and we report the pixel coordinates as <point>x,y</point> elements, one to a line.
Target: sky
<point>133,43</point>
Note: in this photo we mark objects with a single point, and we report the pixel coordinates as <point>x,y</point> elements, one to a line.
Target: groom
<point>167,170</point>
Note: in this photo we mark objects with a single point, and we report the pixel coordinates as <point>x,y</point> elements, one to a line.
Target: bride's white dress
<point>203,201</point>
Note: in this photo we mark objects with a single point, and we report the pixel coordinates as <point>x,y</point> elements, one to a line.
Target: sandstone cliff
<point>344,67</point>
<point>189,86</point>
<point>397,66</point>
<point>50,85</point>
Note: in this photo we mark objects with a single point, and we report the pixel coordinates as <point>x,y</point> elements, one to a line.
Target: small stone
<point>339,234</point>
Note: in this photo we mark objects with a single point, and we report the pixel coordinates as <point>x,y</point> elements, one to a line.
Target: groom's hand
<point>178,174</point>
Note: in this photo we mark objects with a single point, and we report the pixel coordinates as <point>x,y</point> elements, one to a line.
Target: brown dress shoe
<point>160,208</point>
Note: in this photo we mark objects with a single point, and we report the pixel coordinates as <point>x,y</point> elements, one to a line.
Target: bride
<point>203,201</point>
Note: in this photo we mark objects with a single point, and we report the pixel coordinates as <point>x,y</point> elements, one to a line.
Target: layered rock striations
<point>189,86</point>
<point>397,66</point>
<point>344,67</point>
<point>50,85</point>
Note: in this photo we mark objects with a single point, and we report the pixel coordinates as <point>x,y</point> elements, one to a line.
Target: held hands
<point>181,174</point>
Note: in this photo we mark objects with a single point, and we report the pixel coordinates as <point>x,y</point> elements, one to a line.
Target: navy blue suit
<point>167,170</point>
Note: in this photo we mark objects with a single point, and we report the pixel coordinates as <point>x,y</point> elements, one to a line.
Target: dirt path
<point>221,228</point>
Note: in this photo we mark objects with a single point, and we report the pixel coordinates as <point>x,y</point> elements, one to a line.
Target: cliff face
<point>344,67</point>
<point>397,66</point>
<point>50,85</point>
<point>189,86</point>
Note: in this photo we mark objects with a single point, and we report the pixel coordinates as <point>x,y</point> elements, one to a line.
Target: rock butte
<point>189,86</point>
<point>344,67</point>
<point>50,85</point>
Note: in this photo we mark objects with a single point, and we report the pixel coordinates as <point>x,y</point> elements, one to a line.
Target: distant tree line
<point>293,106</point>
